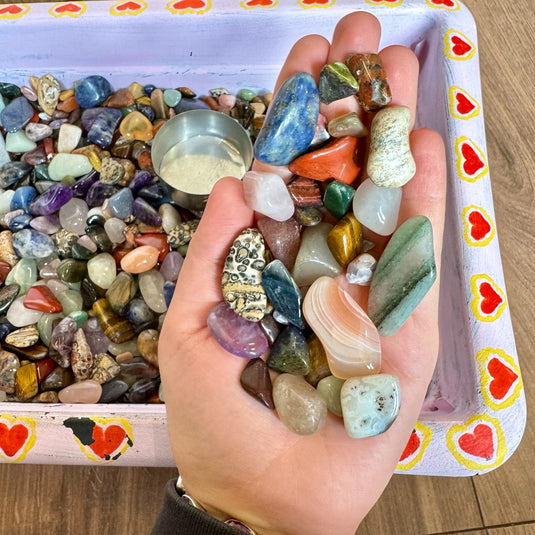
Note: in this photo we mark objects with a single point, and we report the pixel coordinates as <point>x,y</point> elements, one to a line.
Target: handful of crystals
<point>325,346</point>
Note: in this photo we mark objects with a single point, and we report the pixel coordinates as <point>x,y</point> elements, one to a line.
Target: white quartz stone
<point>73,216</point>
<point>102,270</point>
<point>114,228</point>
<point>360,270</point>
<point>20,316</point>
<point>68,138</point>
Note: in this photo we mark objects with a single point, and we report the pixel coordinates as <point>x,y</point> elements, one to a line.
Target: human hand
<point>235,457</point>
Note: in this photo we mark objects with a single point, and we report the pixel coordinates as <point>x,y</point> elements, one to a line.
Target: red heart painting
<point>317,2</point>
<point>12,9</point>
<point>12,439</point>
<point>189,4</point>
<point>464,105</point>
<point>502,378</point>
<point>479,226</point>
<point>491,298</point>
<point>412,446</point>
<point>472,163</point>
<point>480,443</point>
<point>447,3</point>
<point>68,8</point>
<point>107,440</point>
<point>259,3</point>
<point>460,46</point>
<point>128,6</point>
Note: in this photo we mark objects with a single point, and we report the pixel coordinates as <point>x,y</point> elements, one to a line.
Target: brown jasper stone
<point>104,368</point>
<point>211,102</point>
<point>46,397</point>
<point>9,364</point>
<point>319,367</point>
<point>58,378</point>
<point>81,357</point>
<point>26,385</point>
<point>7,253</point>
<point>24,337</point>
<point>305,192</point>
<point>121,99</point>
<point>256,381</point>
<point>68,105</point>
<point>35,352</point>
<point>374,91</point>
<point>147,343</point>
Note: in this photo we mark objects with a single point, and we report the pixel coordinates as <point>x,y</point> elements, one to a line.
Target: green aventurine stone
<point>337,198</point>
<point>45,325</point>
<point>71,270</point>
<point>289,353</point>
<point>71,301</point>
<point>404,274</point>
<point>336,82</point>
<point>79,316</point>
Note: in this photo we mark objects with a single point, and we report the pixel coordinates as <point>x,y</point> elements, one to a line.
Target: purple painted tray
<point>474,413</point>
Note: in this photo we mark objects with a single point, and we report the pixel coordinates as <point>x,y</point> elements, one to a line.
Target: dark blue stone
<point>283,292</point>
<point>16,114</point>
<point>156,194</point>
<point>187,104</point>
<point>141,179</point>
<point>146,213</point>
<point>168,291</point>
<point>22,198</point>
<point>5,328</point>
<point>98,193</point>
<point>112,390</point>
<point>12,172</point>
<point>10,91</point>
<point>91,91</point>
<point>51,200</point>
<point>20,222</point>
<point>148,89</point>
<point>147,111</point>
<point>81,187</point>
<point>103,127</point>
<point>30,243</point>
<point>290,122</point>
<point>120,203</point>
<point>138,312</point>
<point>142,390</point>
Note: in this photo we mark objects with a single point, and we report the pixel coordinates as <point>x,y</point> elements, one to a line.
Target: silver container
<point>190,129</point>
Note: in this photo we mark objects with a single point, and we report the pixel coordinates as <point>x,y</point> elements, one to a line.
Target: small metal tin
<point>197,125</point>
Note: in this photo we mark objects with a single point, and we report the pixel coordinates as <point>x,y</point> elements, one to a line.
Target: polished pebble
<point>329,388</point>
<point>83,392</point>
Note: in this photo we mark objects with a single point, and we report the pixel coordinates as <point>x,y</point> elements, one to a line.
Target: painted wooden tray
<point>474,414</point>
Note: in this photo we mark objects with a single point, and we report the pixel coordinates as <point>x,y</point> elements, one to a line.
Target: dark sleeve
<point>177,517</point>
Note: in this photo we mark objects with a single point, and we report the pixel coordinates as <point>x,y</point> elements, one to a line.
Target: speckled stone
<point>289,353</point>
<point>81,357</point>
<point>182,233</point>
<point>105,368</point>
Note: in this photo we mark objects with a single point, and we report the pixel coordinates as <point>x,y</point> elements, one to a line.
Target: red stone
<point>5,268</point>
<point>48,144</point>
<point>44,368</point>
<point>305,192</point>
<point>334,160</point>
<point>157,240</point>
<point>41,298</point>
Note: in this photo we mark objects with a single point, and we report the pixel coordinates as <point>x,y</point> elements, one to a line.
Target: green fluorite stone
<point>337,198</point>
<point>336,82</point>
<point>404,274</point>
<point>289,353</point>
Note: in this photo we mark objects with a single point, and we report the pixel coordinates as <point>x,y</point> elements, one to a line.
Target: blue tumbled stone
<point>290,123</point>
<point>148,89</point>
<point>147,111</point>
<point>30,243</point>
<point>91,91</point>
<point>138,312</point>
<point>120,203</point>
<point>187,104</point>
<point>146,213</point>
<point>141,179</point>
<point>156,194</point>
<point>5,328</point>
<point>16,114</point>
<point>168,291</point>
<point>283,292</point>
<point>22,198</point>
<point>12,172</point>
<point>103,127</point>
<point>98,193</point>
<point>20,222</point>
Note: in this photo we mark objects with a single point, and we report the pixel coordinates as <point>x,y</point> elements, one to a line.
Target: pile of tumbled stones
<point>91,243</point>
<point>281,296</point>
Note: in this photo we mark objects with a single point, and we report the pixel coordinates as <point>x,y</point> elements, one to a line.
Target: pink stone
<point>282,238</point>
<point>140,259</point>
<point>83,392</point>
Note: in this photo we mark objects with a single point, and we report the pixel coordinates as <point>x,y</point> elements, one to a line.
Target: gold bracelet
<point>233,522</point>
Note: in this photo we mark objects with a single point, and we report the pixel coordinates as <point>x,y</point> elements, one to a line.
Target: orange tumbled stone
<point>334,160</point>
<point>158,240</point>
<point>136,126</point>
<point>68,105</point>
<point>140,259</point>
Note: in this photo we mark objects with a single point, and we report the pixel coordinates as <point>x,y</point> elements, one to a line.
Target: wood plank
<point>417,504</point>
<point>522,529</point>
<point>508,69</point>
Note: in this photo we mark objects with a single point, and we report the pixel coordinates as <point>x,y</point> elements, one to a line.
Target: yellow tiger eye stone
<point>143,101</point>
<point>26,384</point>
<point>94,160</point>
<point>136,126</point>
<point>345,239</point>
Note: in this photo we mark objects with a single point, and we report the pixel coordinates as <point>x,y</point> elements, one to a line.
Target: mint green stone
<point>71,301</point>
<point>246,94</point>
<point>72,165</point>
<point>404,274</point>
<point>336,82</point>
<point>44,326</point>
<point>79,316</point>
<point>24,273</point>
<point>19,142</point>
<point>329,389</point>
<point>172,97</point>
<point>337,198</point>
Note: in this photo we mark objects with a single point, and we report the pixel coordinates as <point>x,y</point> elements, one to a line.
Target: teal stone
<point>172,97</point>
<point>79,316</point>
<point>337,198</point>
<point>9,91</point>
<point>283,292</point>
<point>71,270</point>
<point>41,172</point>
<point>246,94</point>
<point>370,404</point>
<point>290,123</point>
<point>336,82</point>
<point>404,274</point>
<point>290,353</point>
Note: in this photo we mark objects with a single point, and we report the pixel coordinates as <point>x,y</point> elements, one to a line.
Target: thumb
<point>198,287</point>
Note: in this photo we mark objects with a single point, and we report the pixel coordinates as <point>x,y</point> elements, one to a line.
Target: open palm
<point>235,456</point>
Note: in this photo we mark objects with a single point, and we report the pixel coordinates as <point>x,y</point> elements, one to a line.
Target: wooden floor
<point>105,500</point>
